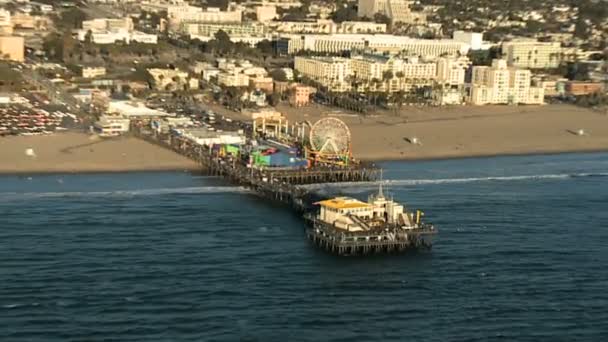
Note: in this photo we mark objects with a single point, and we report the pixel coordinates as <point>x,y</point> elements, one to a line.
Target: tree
<point>265,46</point>
<point>278,75</point>
<point>72,18</point>
<point>348,13</point>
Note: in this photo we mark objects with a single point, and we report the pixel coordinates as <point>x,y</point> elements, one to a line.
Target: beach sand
<point>466,131</point>
<point>446,132</point>
<point>79,152</point>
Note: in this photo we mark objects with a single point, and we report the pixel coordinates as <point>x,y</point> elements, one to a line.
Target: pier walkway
<point>277,184</point>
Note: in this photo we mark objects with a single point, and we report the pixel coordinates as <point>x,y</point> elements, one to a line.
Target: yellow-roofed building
<point>340,210</point>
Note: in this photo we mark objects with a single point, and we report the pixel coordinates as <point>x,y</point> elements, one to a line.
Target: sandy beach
<point>447,132</point>
<point>465,131</point>
<point>79,152</point>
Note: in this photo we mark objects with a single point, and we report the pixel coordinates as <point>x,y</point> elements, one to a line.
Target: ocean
<point>521,255</point>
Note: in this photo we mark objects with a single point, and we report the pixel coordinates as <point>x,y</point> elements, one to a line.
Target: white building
<point>473,39</point>
<point>232,79</point>
<point>132,110</point>
<point>337,43</point>
<point>331,72</point>
<point>178,14</point>
<point>500,84</point>
<point>532,54</point>
<point>110,126</point>
<point>108,37</point>
<point>92,72</point>
<point>108,24</point>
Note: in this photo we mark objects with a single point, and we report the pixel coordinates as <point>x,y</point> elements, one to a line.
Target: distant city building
<point>382,73</point>
<point>266,13</point>
<point>108,24</point>
<point>92,72</point>
<point>395,10</point>
<point>578,88</point>
<point>378,43</point>
<point>232,79</point>
<point>110,31</point>
<point>331,72</point>
<point>197,29</point>
<point>532,54</point>
<point>324,26</point>
<point>187,13</point>
<point>12,48</point>
<point>169,79</point>
<point>473,39</point>
<point>500,84</point>
<point>300,95</point>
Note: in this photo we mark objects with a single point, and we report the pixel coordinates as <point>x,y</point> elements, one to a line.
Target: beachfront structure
<point>12,48</point>
<point>326,26</point>
<point>111,126</point>
<point>209,137</point>
<point>382,73</point>
<point>396,10</point>
<point>500,84</point>
<point>380,43</point>
<point>331,72</point>
<point>532,54</point>
<point>134,110</point>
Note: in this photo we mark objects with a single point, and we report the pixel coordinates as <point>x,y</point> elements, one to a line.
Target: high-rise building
<point>500,84</point>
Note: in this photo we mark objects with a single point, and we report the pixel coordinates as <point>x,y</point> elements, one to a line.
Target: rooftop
<point>343,203</point>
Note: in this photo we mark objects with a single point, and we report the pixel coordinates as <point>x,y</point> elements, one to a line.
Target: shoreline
<point>486,156</point>
<point>195,170</point>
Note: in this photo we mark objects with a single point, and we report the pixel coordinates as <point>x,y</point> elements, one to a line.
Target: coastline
<point>444,133</point>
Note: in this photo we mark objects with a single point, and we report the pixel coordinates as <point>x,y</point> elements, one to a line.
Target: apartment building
<point>451,71</point>
<point>500,84</point>
<point>331,72</point>
<point>107,24</point>
<point>178,14</point>
<point>532,54</point>
<point>228,79</point>
<point>210,29</point>
<point>396,10</point>
<point>379,43</point>
<point>383,73</point>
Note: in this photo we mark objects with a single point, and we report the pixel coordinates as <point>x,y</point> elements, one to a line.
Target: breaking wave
<point>128,193</point>
<point>412,182</point>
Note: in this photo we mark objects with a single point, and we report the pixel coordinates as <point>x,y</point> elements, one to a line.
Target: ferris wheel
<point>330,136</point>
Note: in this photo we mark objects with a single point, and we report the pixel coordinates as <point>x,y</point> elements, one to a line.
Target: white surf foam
<point>413,182</point>
<point>129,193</point>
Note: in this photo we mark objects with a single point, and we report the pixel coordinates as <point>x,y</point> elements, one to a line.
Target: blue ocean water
<point>521,255</point>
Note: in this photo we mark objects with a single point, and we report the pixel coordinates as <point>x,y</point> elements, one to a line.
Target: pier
<point>286,185</point>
